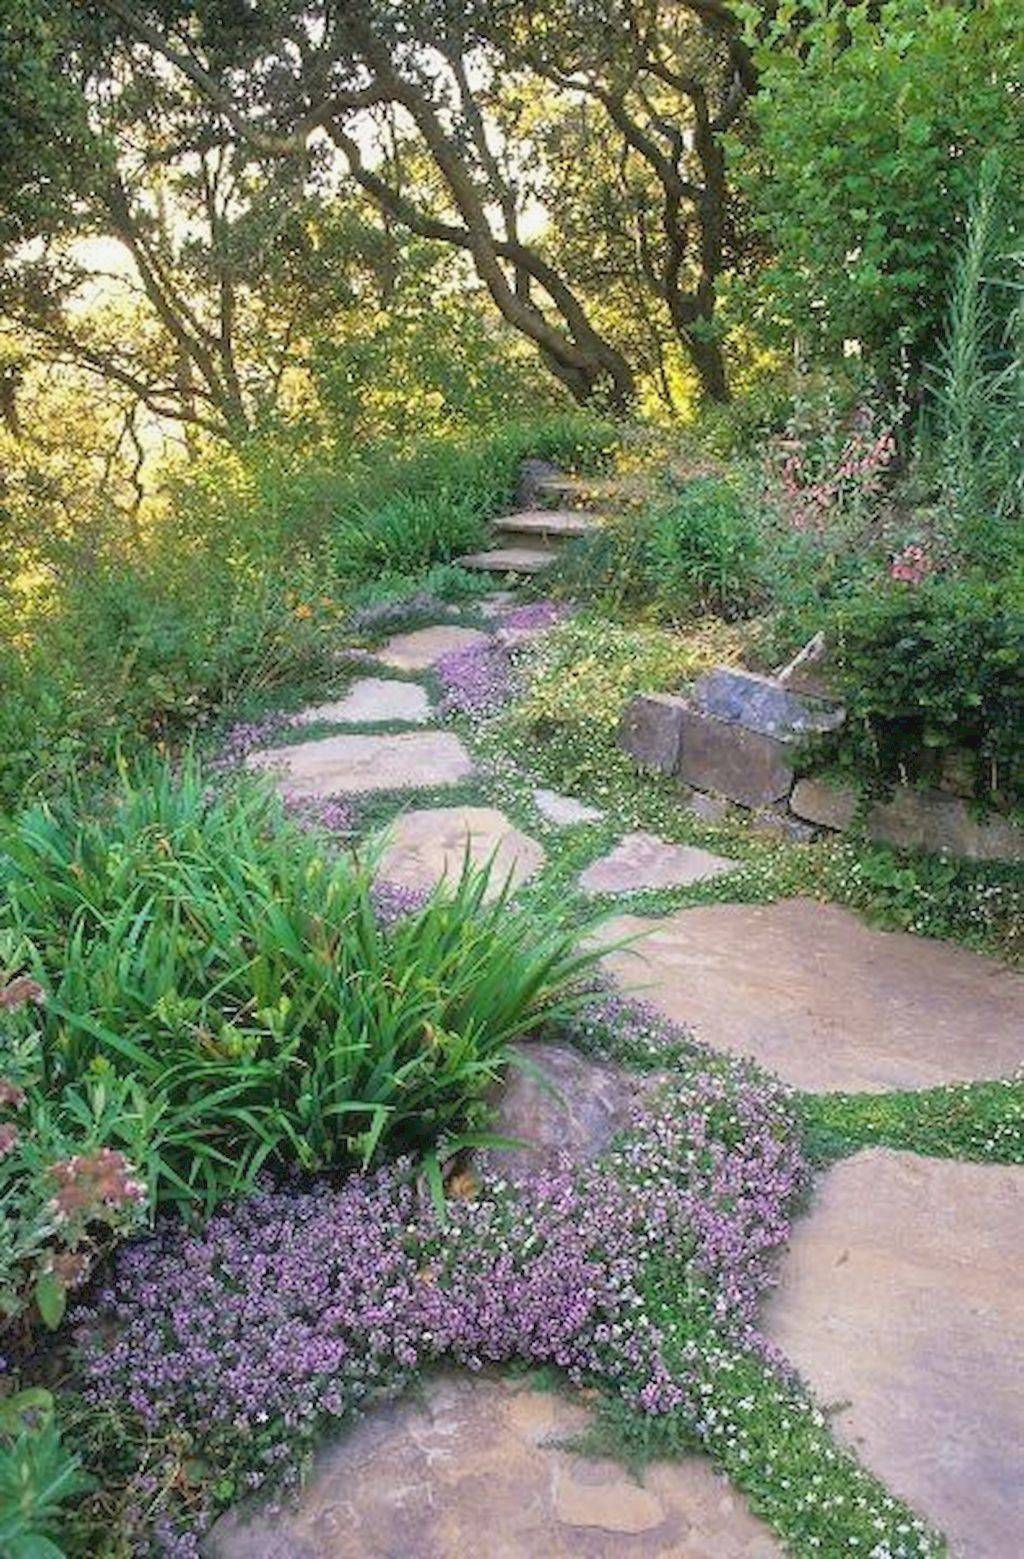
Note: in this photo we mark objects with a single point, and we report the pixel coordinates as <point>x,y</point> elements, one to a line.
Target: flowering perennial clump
<point>245,736</point>
<point>535,616</point>
<point>475,681</point>
<point>301,1306</point>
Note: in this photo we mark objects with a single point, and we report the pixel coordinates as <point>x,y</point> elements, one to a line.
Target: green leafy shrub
<point>73,1180</point>
<point>703,552</point>
<point>203,947</point>
<point>930,667</point>
<point>38,1477</point>
<point>872,123</point>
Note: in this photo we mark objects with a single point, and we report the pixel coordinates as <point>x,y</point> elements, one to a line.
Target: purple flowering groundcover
<point>302,1306</point>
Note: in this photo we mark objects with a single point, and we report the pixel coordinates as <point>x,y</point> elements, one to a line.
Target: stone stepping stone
<point>372,698</point>
<point>466,1468</point>
<point>424,647</point>
<point>349,765</point>
<point>508,560</point>
<point>425,845</point>
<point>563,811</point>
<point>901,1300</point>
<point>816,995</point>
<point>644,861</point>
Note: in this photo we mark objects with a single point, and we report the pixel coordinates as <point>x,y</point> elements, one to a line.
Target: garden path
<point>899,1299</point>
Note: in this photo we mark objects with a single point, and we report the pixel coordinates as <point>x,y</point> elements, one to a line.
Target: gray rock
<point>763,704</point>
<point>777,823</point>
<point>651,730</point>
<point>533,474</point>
<point>746,766</point>
<point>929,820</point>
<point>577,1109</point>
<point>709,809</point>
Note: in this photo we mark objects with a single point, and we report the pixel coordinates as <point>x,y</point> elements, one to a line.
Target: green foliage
<point>928,668</point>
<point>238,586</point>
<point>979,386</point>
<point>872,123</point>
<point>37,1478</point>
<point>693,551</point>
<point>72,1178</point>
<point>204,948</point>
<point>703,551</point>
<point>979,1121</point>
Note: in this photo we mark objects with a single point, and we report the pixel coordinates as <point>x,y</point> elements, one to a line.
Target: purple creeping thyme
<point>393,901</point>
<point>476,680</point>
<point>535,616</point>
<point>301,1307</point>
<point>245,736</point>
<point>333,814</point>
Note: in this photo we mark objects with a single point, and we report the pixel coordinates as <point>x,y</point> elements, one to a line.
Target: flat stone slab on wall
<point>430,843</point>
<point>821,998</point>
<point>915,820</point>
<point>349,765</point>
<point>652,729</point>
<point>644,861</point>
<point>426,646</point>
<point>764,704</point>
<point>372,698</point>
<point>465,1471</point>
<point>901,1300</point>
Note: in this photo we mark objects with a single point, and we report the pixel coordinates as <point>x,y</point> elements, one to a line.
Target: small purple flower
<point>394,901</point>
<point>476,681</point>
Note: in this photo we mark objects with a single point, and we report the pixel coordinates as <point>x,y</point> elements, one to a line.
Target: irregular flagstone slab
<point>430,843</point>
<point>815,994</point>
<point>901,1300</point>
<point>349,765</point>
<point>644,861</point>
<point>467,1471</point>
<point>564,810</point>
<point>372,698</point>
<point>425,646</point>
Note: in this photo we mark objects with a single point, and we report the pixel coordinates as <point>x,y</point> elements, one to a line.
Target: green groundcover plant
<point>196,942</point>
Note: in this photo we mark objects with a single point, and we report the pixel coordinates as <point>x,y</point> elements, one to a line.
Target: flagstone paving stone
<point>349,765</point>
<point>642,860</point>
<point>424,647</point>
<point>901,1303</point>
<point>372,698</point>
<point>815,994</point>
<point>431,842</point>
<point>468,1470</point>
<point>564,810</point>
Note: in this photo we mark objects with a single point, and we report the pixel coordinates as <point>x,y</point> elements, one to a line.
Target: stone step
<point>584,491</point>
<point>509,560</point>
<point>552,524</point>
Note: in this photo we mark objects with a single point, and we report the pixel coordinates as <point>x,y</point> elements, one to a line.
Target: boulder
<point>744,765</point>
<point>652,728</point>
<point>559,1102</point>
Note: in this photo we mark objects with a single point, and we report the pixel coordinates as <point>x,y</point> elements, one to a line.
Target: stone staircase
<point>529,541</point>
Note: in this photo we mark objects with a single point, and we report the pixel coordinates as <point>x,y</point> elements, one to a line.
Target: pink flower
<point>9,1138</point>
<point>20,990</point>
<point>911,565</point>
<point>11,1095</point>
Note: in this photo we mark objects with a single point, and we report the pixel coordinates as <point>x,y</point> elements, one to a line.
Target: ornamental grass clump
<point>301,1307</point>
<point>192,939</point>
